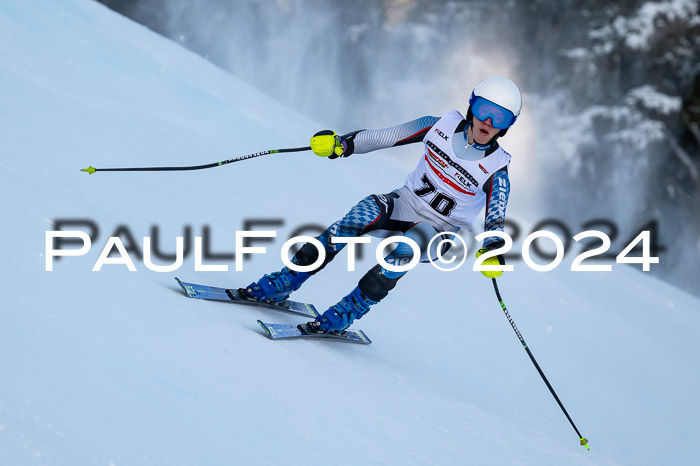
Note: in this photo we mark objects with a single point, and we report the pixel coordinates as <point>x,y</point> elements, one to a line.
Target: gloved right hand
<point>328,144</point>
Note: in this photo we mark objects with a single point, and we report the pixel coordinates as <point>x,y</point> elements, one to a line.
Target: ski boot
<point>277,286</point>
<point>339,317</point>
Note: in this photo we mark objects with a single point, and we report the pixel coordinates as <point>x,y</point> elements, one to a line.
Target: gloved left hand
<point>327,143</point>
<point>496,260</point>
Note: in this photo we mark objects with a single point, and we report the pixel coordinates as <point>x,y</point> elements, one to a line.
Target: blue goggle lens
<point>483,109</point>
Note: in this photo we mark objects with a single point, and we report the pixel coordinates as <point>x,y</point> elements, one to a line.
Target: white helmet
<point>501,91</point>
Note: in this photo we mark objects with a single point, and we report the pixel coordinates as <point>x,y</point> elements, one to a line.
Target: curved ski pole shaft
<point>92,170</point>
<point>582,440</point>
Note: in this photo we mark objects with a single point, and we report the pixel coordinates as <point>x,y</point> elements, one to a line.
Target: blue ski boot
<point>339,317</point>
<point>277,286</point>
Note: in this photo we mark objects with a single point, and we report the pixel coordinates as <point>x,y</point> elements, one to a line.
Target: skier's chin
<point>484,139</point>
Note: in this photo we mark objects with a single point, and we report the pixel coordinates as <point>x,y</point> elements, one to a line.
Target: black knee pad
<point>308,254</point>
<point>375,285</point>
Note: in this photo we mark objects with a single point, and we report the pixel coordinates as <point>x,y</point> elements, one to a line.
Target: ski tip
<point>181,285</point>
<point>364,337</point>
<point>267,330</point>
<point>187,293</point>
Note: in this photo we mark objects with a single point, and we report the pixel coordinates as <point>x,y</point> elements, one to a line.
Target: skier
<point>462,170</point>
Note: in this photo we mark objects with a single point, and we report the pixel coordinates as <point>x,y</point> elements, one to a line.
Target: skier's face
<point>482,131</point>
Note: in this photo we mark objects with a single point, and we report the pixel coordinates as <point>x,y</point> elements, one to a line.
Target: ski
<point>281,331</point>
<point>214,293</point>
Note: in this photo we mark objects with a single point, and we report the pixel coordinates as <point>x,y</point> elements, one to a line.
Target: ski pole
<point>92,170</point>
<point>582,439</point>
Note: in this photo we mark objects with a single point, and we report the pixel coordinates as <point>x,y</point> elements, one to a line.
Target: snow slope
<point>117,367</point>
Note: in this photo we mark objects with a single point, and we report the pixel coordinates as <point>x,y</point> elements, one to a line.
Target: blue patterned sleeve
<point>368,140</point>
<point>497,191</point>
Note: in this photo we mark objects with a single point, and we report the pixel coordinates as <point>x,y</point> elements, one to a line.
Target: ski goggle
<point>483,109</point>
